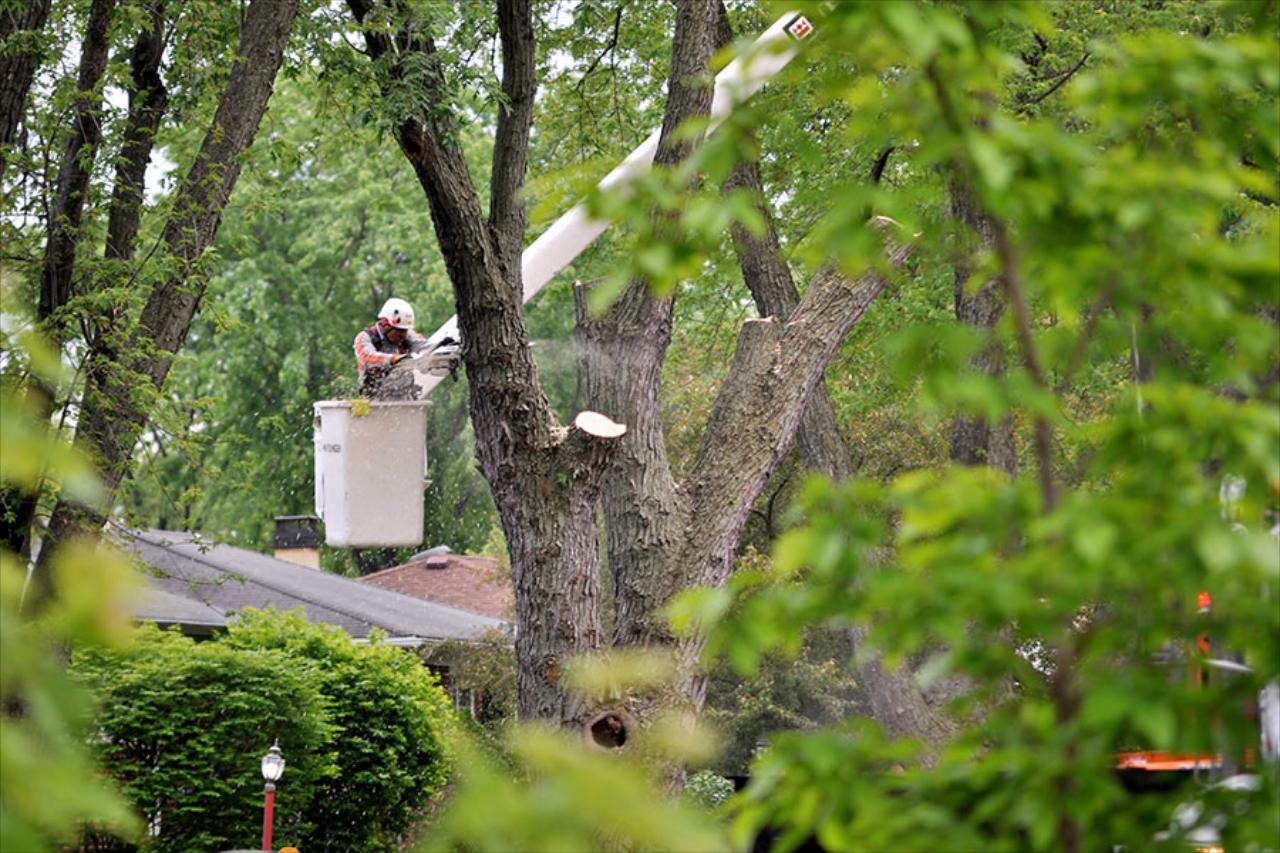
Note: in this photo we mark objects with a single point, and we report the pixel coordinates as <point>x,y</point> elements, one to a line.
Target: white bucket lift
<point>370,463</point>
<point>371,456</point>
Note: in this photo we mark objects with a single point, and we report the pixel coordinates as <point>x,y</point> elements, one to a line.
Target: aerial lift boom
<point>573,232</point>
<point>365,449</point>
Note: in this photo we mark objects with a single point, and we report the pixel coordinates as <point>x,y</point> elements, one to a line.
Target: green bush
<point>182,726</point>
<point>708,789</point>
<point>391,720</point>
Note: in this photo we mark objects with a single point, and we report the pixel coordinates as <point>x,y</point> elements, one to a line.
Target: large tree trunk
<point>544,477</point>
<point>78,155</point>
<point>973,440</point>
<point>79,151</point>
<point>645,514</point>
<point>19,29</point>
<point>129,369</point>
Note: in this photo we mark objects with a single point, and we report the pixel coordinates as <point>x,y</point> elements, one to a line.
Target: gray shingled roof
<point>165,608</point>
<point>225,578</point>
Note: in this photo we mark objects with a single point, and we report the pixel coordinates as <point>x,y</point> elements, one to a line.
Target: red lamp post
<point>272,770</point>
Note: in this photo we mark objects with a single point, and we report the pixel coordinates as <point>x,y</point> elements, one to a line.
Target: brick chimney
<point>297,539</point>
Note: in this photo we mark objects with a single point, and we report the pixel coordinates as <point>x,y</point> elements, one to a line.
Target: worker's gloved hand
<point>398,357</point>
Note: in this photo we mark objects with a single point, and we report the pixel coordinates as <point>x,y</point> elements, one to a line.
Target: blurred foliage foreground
<point>1145,222</point>
<point>106,729</point>
<point>1136,227</point>
<point>49,786</point>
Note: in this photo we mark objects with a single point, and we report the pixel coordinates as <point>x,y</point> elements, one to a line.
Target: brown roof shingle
<point>477,584</point>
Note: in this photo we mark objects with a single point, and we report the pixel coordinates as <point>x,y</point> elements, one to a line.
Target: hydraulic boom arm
<point>573,232</point>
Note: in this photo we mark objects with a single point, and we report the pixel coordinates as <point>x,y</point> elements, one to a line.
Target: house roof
<point>165,608</point>
<point>477,584</point>
<point>192,572</point>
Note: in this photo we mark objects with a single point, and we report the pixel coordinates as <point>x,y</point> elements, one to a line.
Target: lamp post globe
<point>273,764</point>
<point>272,770</point>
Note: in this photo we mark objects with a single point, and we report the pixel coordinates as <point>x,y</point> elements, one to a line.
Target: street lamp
<point>272,770</point>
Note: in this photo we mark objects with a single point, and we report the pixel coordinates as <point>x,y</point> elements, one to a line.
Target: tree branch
<point>1062,81</point>
<point>17,66</point>
<point>760,404</point>
<point>877,168</point>
<point>608,48</point>
<point>1010,280</point>
<point>429,142</point>
<point>197,209</point>
<point>769,280</point>
<point>148,100</point>
<point>511,142</point>
<point>689,88</point>
<point>81,148</point>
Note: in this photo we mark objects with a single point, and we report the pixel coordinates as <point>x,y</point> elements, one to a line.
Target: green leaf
<point>1094,539</point>
<point>1217,548</point>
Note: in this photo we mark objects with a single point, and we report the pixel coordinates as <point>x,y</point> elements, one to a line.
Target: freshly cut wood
<point>594,423</point>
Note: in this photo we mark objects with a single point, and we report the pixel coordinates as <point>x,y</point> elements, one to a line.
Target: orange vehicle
<point>1153,770</point>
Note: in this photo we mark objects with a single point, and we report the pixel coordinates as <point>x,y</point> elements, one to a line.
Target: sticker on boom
<point>800,28</point>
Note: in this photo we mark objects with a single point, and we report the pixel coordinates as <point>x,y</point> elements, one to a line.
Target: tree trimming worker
<point>384,344</point>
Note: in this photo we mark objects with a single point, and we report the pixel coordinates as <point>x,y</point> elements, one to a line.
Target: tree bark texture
<point>78,154</point>
<point>148,100</point>
<point>894,696</point>
<point>545,477</point>
<point>973,440</point>
<point>114,410</point>
<point>758,409</point>
<point>19,31</point>
<point>645,515</point>
<point>79,151</point>
<point>896,700</point>
<point>768,278</point>
<point>511,140</point>
<point>621,360</point>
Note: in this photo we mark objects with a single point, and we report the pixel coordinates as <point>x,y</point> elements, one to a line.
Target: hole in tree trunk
<point>608,730</point>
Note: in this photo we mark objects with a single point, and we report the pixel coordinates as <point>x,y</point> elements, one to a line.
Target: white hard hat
<point>398,313</point>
